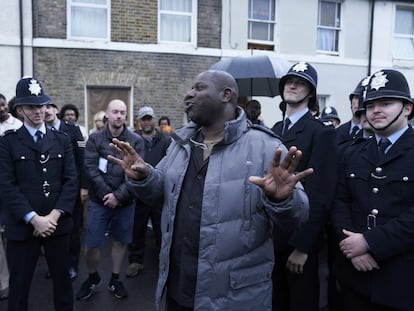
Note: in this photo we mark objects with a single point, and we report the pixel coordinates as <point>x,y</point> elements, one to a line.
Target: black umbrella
<point>256,75</point>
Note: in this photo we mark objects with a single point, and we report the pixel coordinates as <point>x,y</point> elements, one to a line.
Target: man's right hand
<point>43,225</point>
<point>132,164</point>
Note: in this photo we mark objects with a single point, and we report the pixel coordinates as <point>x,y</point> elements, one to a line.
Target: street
<point>141,289</point>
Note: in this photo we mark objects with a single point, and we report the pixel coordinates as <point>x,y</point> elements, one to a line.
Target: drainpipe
<point>371,34</point>
<point>21,38</point>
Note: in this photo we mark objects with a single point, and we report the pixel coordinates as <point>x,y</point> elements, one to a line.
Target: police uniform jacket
<point>39,181</point>
<point>367,187</point>
<point>316,140</point>
<point>342,133</point>
<point>78,146</point>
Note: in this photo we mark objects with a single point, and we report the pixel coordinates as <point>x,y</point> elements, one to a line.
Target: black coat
<point>31,180</point>
<point>388,186</point>
<point>78,146</point>
<point>156,149</point>
<point>113,180</point>
<point>316,140</point>
<point>342,133</point>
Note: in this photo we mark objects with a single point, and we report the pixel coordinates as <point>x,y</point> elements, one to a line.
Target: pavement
<point>141,289</point>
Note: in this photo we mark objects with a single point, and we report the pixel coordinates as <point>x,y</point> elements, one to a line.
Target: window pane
<point>327,16</point>
<point>404,23</point>
<point>261,31</point>
<point>177,5</point>
<point>88,22</point>
<point>327,40</point>
<point>175,28</point>
<point>262,9</point>
<point>90,1</point>
<point>403,48</point>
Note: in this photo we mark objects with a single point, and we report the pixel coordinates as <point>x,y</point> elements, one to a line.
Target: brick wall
<point>209,23</point>
<point>134,21</point>
<point>158,80</point>
<point>49,18</point>
<point>131,21</point>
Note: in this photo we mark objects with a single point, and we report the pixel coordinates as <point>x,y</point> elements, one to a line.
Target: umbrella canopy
<point>256,75</point>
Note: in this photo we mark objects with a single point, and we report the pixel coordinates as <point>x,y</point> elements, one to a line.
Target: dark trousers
<point>75,235</point>
<point>22,257</point>
<point>356,302</point>
<point>142,214</point>
<point>335,299</point>
<point>172,305</point>
<point>295,292</point>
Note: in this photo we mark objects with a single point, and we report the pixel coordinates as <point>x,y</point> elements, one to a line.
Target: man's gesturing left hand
<point>281,178</point>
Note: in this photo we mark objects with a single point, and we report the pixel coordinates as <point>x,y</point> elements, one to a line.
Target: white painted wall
<point>10,44</point>
<point>296,22</point>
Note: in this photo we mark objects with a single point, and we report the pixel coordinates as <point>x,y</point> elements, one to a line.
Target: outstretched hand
<point>280,180</point>
<point>132,164</point>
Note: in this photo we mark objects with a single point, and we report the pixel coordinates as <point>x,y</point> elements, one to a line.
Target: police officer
<point>296,257</point>
<point>78,146</point>
<point>38,185</point>
<point>373,212</point>
<point>330,113</point>
<point>352,129</point>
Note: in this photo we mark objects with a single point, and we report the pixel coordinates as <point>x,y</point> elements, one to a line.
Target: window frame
<point>336,29</point>
<point>402,36</point>
<point>193,26</point>
<point>127,96</point>
<point>270,23</point>
<point>71,4</point>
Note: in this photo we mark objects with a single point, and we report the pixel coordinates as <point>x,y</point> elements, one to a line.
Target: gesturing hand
<point>281,179</point>
<point>132,164</point>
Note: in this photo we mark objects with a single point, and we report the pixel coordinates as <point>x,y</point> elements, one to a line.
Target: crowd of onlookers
<point>242,213</point>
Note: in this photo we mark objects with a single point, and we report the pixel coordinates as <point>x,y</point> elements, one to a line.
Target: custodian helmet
<point>330,112</point>
<point>388,83</point>
<point>305,71</point>
<point>29,91</point>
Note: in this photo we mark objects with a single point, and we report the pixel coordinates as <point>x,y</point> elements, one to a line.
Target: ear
<point>408,108</point>
<point>227,93</point>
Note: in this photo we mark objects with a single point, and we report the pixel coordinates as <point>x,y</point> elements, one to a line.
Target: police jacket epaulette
<point>58,132</point>
<point>8,132</point>
<point>359,140</point>
<point>70,123</point>
<point>324,122</point>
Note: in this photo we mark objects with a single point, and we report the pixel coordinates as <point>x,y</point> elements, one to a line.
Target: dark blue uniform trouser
<point>22,257</point>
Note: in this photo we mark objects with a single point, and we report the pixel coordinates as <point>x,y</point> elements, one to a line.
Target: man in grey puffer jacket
<point>218,214</point>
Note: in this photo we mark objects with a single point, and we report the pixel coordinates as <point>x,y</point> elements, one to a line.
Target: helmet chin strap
<point>290,102</point>
<point>392,122</point>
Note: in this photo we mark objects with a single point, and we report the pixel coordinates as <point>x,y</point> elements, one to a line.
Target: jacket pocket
<point>250,276</point>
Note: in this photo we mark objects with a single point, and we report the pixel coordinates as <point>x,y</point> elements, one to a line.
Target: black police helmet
<point>29,91</point>
<point>305,71</point>
<point>330,112</point>
<point>388,83</point>
<point>359,89</point>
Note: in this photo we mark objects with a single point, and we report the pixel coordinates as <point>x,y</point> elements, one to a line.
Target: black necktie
<point>286,124</point>
<point>39,139</point>
<point>354,131</point>
<point>382,146</point>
